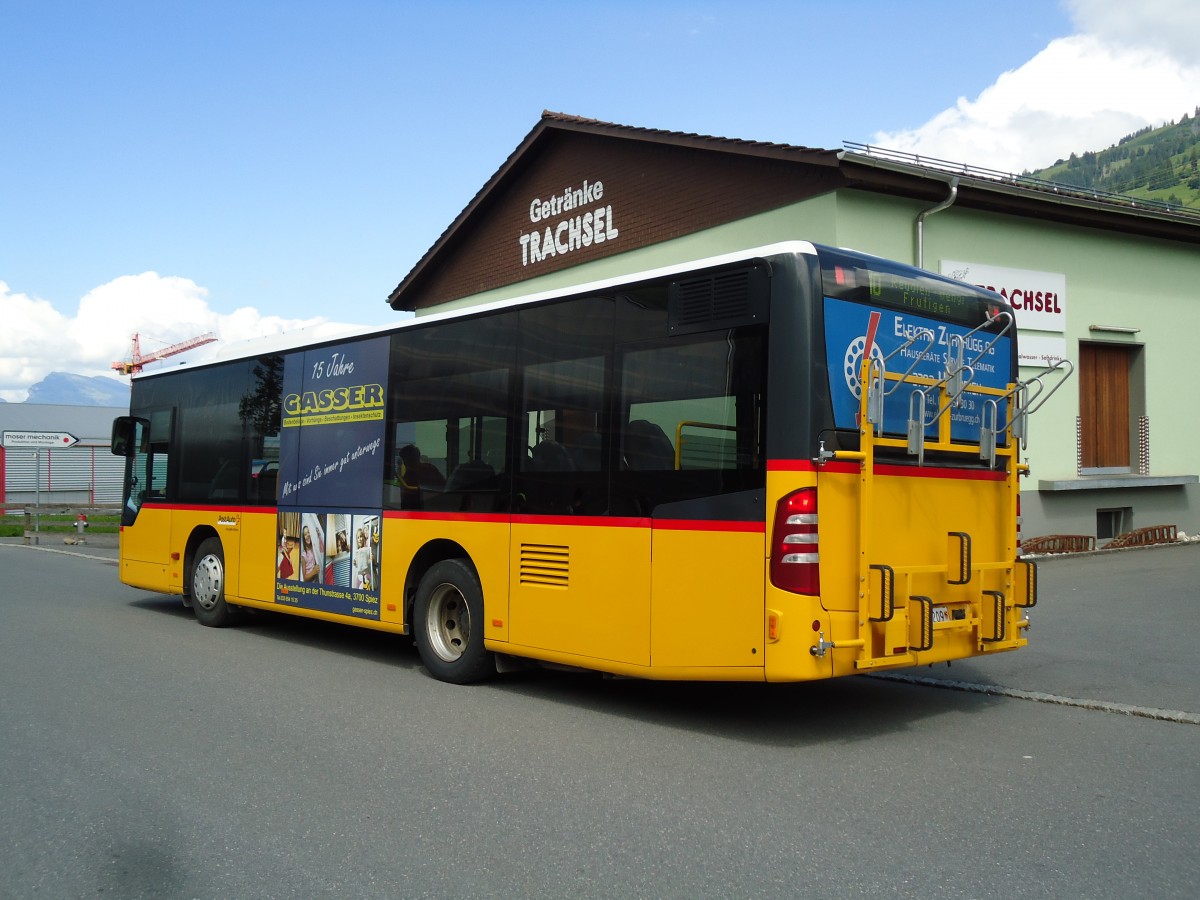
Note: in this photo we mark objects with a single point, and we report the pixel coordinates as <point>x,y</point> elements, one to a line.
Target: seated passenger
<point>418,472</point>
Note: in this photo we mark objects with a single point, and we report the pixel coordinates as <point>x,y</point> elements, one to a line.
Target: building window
<point>1113,522</point>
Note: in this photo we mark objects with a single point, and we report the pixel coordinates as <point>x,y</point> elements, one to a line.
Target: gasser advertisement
<point>328,551</point>
<point>850,328</point>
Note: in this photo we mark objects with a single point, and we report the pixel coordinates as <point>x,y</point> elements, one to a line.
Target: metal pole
<point>37,496</point>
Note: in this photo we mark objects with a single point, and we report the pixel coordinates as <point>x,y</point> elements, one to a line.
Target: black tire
<point>206,585</point>
<point>448,623</point>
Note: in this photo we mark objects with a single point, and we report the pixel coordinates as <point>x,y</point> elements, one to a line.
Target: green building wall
<point>1111,280</point>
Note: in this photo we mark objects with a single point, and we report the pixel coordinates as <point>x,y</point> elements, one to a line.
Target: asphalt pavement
<point>142,755</point>
<point>1112,631</point>
<point>103,544</point>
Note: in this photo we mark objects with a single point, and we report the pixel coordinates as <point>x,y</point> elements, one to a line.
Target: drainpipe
<point>945,204</point>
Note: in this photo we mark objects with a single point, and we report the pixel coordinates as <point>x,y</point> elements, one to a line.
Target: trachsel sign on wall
<point>1039,299</point>
<point>564,222</point>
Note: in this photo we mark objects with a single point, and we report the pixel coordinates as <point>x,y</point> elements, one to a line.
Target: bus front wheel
<point>208,585</point>
<point>448,623</point>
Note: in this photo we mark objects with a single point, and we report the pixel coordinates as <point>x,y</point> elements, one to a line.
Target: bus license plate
<point>941,614</point>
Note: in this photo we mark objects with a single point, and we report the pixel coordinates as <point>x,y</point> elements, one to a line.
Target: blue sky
<point>172,168</point>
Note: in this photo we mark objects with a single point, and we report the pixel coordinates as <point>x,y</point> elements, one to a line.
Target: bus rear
<point>893,509</point>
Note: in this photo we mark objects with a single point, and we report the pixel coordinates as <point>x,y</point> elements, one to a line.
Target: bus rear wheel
<point>448,623</point>
<point>207,585</point>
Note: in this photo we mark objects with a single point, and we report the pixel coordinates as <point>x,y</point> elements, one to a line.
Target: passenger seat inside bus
<point>550,456</point>
<point>587,455</point>
<point>647,447</point>
<point>467,475</point>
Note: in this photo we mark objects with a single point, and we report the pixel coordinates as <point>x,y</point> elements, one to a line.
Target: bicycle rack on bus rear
<point>958,377</point>
<point>1026,398</point>
<point>877,390</point>
<point>992,607</point>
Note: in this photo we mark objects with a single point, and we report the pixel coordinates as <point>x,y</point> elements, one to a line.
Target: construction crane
<point>137,360</point>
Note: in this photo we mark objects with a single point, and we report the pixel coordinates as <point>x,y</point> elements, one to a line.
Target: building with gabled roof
<point>1105,281</point>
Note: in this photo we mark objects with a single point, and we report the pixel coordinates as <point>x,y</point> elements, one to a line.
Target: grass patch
<point>14,526</point>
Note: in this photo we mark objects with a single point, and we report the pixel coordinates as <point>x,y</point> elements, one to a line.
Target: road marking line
<point>63,552</point>
<point>1125,709</point>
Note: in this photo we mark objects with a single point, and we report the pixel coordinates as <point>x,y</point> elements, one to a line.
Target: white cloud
<point>32,334</point>
<point>38,339</point>
<point>1132,65</point>
<point>1170,27</point>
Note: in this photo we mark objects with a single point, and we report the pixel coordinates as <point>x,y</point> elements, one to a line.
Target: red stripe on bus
<point>593,521</point>
<point>935,472</point>
<point>852,468</point>
<point>445,516</point>
<point>583,521</point>
<point>206,507</point>
<point>709,525</point>
<point>807,465</point>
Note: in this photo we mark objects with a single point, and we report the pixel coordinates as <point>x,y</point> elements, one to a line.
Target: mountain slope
<point>1161,164</point>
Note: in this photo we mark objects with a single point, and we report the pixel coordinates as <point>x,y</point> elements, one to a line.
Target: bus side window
<point>692,414</point>
<point>448,464</point>
<point>562,472</point>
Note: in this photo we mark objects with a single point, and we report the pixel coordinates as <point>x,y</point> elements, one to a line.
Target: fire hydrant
<point>81,523</point>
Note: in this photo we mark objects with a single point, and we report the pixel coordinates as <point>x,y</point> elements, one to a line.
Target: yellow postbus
<point>786,464</point>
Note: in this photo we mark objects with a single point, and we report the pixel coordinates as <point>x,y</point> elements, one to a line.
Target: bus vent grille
<point>720,300</point>
<point>545,565</point>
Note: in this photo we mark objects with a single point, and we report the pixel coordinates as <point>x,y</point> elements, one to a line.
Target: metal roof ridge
<point>979,176</point>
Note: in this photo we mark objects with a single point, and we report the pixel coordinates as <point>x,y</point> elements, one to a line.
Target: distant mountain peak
<point>65,389</point>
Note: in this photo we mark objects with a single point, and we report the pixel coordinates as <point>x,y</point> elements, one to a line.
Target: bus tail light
<point>794,558</point>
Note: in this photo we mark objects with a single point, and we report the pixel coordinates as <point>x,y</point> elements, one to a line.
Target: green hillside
<point>1154,164</point>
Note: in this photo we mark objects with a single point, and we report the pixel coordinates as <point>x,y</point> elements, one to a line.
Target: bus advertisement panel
<point>909,342</point>
<point>328,552</point>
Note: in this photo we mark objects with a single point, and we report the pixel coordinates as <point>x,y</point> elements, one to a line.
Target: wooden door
<point>1104,406</point>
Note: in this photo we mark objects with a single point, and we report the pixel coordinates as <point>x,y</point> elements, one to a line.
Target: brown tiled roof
<point>689,139</point>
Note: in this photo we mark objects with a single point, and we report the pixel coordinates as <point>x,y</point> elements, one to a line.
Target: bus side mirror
<point>124,435</point>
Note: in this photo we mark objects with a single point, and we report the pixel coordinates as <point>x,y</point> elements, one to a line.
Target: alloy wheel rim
<point>448,623</point>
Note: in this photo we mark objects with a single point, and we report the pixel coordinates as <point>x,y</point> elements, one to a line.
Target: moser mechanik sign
<point>39,439</point>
